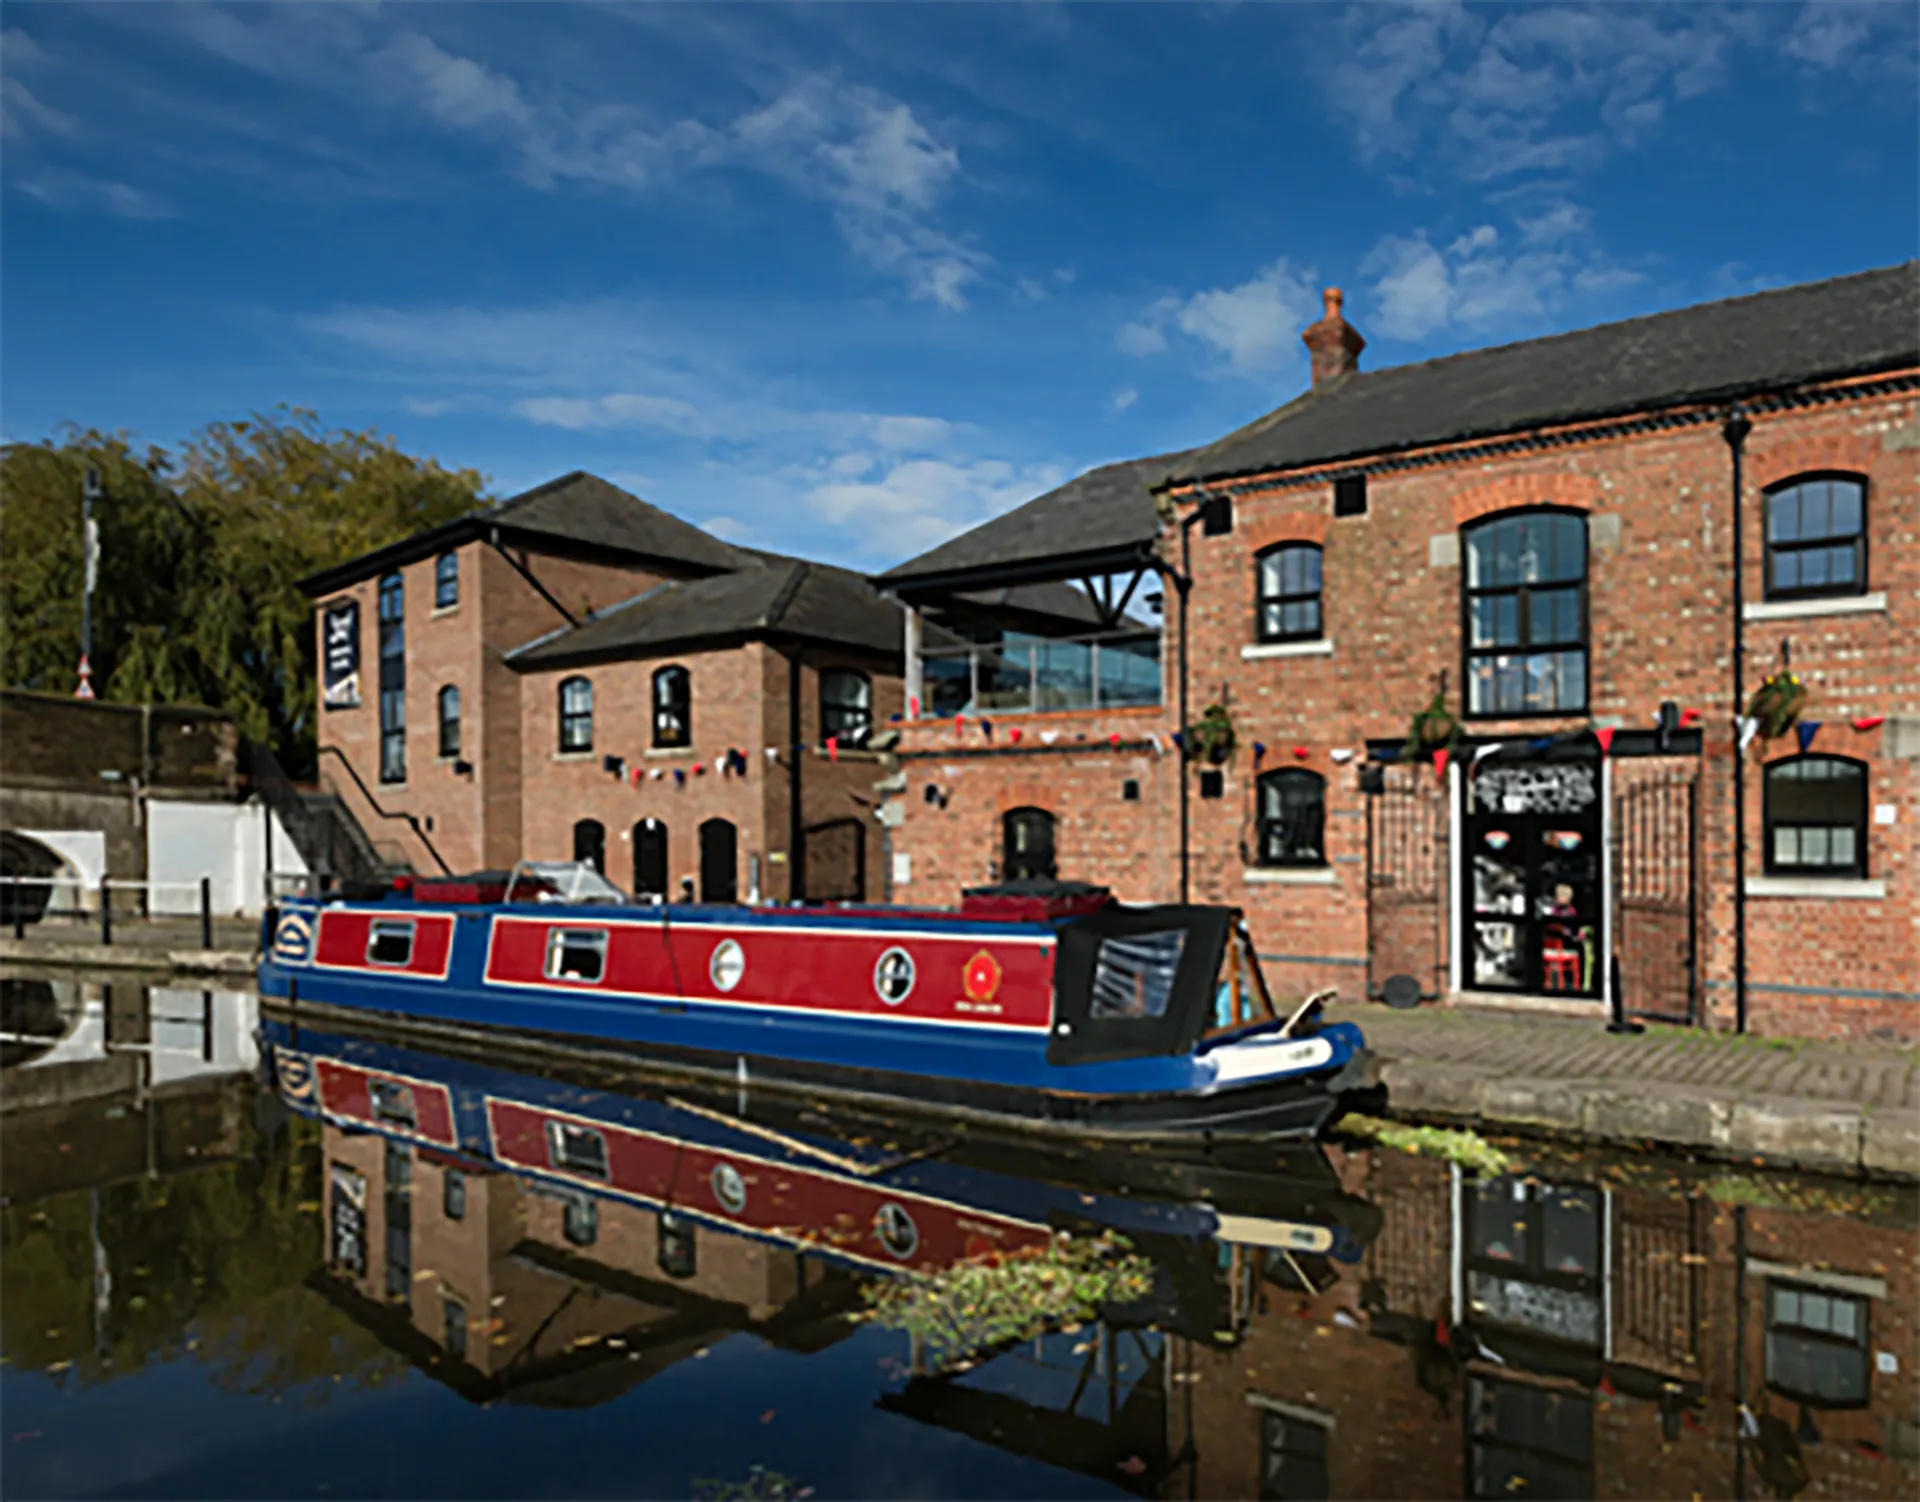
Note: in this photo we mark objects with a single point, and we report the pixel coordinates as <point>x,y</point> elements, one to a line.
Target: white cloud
<point>620,409</point>
<point>908,506</point>
<point>1254,328</point>
<point>728,529</point>
<point>78,192</point>
<point>1122,399</point>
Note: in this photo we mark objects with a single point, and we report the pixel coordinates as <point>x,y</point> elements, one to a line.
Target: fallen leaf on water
<point>58,1367</point>
<point>1133,1465</point>
<point>699,1353</point>
<point>767,1417</point>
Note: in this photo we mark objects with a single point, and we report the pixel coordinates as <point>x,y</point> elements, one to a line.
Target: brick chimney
<point>1335,343</point>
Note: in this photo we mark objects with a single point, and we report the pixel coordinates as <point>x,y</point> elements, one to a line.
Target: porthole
<point>893,976</point>
<point>728,965</point>
<point>896,1230</point>
<point>729,1188</point>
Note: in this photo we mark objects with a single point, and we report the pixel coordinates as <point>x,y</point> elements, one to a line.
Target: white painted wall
<point>84,852</point>
<point>179,1030</point>
<point>187,840</point>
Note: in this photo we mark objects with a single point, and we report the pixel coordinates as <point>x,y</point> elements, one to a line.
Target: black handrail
<point>374,803</point>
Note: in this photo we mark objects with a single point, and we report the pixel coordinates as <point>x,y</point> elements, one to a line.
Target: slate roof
<point>1109,510</point>
<point>1849,325</point>
<point>576,513</point>
<point>769,596</point>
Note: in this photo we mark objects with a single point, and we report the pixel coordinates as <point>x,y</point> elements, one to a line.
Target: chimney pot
<point>1334,343</point>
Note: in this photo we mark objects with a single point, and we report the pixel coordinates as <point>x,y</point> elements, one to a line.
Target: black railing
<point>373,803</point>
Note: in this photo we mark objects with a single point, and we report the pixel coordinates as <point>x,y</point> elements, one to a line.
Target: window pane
<point>1571,1231</point>
<point>1844,1318</point>
<point>1554,616</point>
<point>1786,845</point>
<point>1840,565</point>
<point>1271,575</point>
<point>1813,510</point>
<point>1813,568</point>
<point>1500,1221</point>
<point>1783,516</point>
<point>1814,847</point>
<point>1818,1370</point>
<point>1786,570</point>
<point>1841,848</point>
<point>1815,789</point>
<point>1270,621</point>
<point>1786,1306</point>
<point>1847,497</point>
<point>1496,621</point>
<point>1558,547</point>
<point>1134,976</point>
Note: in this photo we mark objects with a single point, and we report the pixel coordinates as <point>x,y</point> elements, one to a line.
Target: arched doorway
<point>1027,845</point>
<point>590,844</point>
<point>650,859</point>
<point>719,862</point>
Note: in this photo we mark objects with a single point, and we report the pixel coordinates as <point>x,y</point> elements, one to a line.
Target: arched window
<point>449,722</point>
<point>846,706</point>
<point>576,714</point>
<point>1526,609</point>
<point>672,707</point>
<point>650,860</point>
<point>590,844</point>
<point>1817,537</point>
<point>1027,841</point>
<point>446,581</point>
<point>1293,818</point>
<point>1289,593</point>
<point>719,861</point>
<point>1815,814</point>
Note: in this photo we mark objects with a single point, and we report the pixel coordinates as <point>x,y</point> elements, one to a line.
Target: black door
<point>1532,871</point>
<point>1028,844</point>
<point>650,859</point>
<point>590,844</point>
<point>719,862</point>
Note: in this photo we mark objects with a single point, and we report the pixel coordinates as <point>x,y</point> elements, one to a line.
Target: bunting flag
<point>894,719</point>
<point>1114,739</point>
<point>699,769</point>
<point>1440,764</point>
<point>1806,730</point>
<point>773,753</point>
<point>986,729</point>
<point>1869,722</point>
<point>1342,754</point>
<point>1749,728</point>
<point>913,707</point>
<point>1259,754</point>
<point>959,724</point>
<point>679,776</point>
<point>1689,718</point>
<point>833,748</point>
<point>1014,734</point>
<point>1179,739</point>
<point>635,774</point>
<point>1604,735</point>
<point>1301,753</point>
<point>1159,746</point>
<point>1048,737</point>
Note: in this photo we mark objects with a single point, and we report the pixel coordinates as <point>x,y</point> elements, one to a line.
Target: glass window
<point>846,706</point>
<point>1350,496</point>
<point>390,941</point>
<point>1133,976</point>
<point>392,1100</point>
<point>580,1220</point>
<point>576,714</point>
<point>1817,538</point>
<point>677,1253</point>
<point>672,707</point>
<point>393,680</point>
<point>1293,1455</point>
<point>449,721</point>
<point>1817,1345</point>
<point>577,1149</point>
<point>1815,813</point>
<point>1289,593</point>
<point>454,1194</point>
<point>446,581</point>
<point>1028,845</point>
<point>1526,585</point>
<point>576,953</point>
<point>1293,814</point>
<point>454,1314</point>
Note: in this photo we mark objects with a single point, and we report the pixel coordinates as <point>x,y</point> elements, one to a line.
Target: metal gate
<point>1406,880</point>
<point>1656,916</point>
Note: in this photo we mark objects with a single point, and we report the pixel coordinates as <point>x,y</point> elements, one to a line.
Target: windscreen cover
<point>1131,982</point>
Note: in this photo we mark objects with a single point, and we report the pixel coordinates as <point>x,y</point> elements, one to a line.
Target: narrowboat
<point>887,1200</point>
<point>1040,1007</point>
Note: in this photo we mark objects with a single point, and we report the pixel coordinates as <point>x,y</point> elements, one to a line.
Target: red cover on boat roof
<point>481,886</point>
<point>1033,901</point>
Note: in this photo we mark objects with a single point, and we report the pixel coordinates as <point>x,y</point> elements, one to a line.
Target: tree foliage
<point>201,554</point>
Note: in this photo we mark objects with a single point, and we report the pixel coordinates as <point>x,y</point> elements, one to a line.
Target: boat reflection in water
<point>546,1238</point>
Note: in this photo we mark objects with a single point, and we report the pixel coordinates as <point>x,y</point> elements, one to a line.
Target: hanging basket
<point>1433,729</point>
<point>1211,736</point>
<point>1776,704</point>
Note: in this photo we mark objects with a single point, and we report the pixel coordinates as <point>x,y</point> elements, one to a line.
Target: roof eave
<point>1050,569</point>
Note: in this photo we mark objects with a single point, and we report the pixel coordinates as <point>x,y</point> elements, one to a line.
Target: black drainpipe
<point>1735,431</point>
<point>796,815</point>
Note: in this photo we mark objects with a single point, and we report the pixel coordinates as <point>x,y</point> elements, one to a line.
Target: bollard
<point>206,912</point>
<point>1619,1022</point>
<point>106,913</point>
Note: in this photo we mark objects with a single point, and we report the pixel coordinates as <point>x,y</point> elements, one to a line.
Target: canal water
<point>239,1261</point>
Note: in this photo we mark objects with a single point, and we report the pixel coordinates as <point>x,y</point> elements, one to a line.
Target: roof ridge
<point>501,507</point>
<point>783,597</point>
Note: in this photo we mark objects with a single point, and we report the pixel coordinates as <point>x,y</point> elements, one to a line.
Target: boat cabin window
<point>577,1149</point>
<point>576,954</point>
<point>390,941</point>
<point>392,1101</point>
<point>677,1253</point>
<point>1241,998</point>
<point>1133,976</point>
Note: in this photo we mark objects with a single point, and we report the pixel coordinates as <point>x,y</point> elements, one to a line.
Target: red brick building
<point>1537,542</point>
<point>575,674</point>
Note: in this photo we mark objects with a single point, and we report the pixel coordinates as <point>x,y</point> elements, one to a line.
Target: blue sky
<point>846,280</point>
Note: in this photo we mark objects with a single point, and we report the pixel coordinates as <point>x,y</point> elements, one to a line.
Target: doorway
<point>1532,873</point>
<point>719,862</point>
<point>1027,841</point>
<point>650,859</point>
<point>590,844</point>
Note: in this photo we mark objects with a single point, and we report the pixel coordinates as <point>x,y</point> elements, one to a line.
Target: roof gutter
<point>520,568</point>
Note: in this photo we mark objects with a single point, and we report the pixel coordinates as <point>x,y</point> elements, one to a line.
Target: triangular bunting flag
<point>1749,728</point>
<point>1604,735</point>
<point>1440,764</point>
<point>679,777</point>
<point>1048,737</point>
<point>913,707</point>
<point>1869,721</point>
<point>1689,718</point>
<point>833,748</point>
<point>1259,753</point>
<point>986,729</point>
<point>1014,734</point>
<point>1342,754</point>
<point>1806,730</point>
<point>1114,739</point>
<point>1301,753</point>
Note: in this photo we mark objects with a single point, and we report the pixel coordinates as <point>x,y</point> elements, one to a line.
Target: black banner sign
<point>340,655</point>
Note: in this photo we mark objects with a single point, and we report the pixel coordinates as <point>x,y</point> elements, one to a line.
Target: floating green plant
<point>987,1302</point>
<point>1468,1149</point>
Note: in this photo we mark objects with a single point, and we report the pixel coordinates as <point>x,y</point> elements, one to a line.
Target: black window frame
<point>1281,598</point>
<point>1040,818</point>
<point>676,1250</point>
<point>1283,777</point>
<point>572,717</point>
<point>1290,1434</point>
<point>1770,822</point>
<point>1771,550</point>
<point>453,1194</point>
<point>446,581</point>
<point>1350,495</point>
<point>1861,1343</point>
<point>851,722</point>
<point>1528,1217</point>
<point>392,617</point>
<point>453,1325</point>
<point>563,937</point>
<point>672,708</point>
<point>1523,593</point>
<point>449,724</point>
<point>393,1102</point>
<point>386,928</point>
<point>563,1137</point>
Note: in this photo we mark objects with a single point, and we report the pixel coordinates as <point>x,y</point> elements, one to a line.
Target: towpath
<point>1835,1107</point>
